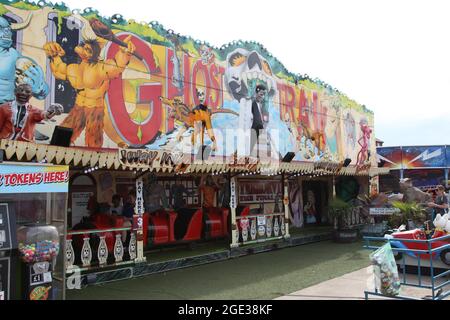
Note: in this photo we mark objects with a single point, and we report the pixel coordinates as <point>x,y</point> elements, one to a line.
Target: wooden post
<point>139,217</point>
<point>233,206</point>
<point>286,205</point>
<point>334,187</point>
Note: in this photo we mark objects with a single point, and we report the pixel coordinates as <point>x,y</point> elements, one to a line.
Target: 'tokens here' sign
<point>33,179</point>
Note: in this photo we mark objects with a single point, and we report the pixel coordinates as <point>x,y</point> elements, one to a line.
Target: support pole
<point>334,186</point>
<point>139,217</point>
<point>286,205</point>
<point>233,206</point>
<point>446,177</point>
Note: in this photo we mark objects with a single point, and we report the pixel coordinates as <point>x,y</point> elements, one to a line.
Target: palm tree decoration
<point>408,211</point>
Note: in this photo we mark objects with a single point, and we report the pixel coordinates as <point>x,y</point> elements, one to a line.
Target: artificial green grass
<point>179,252</point>
<point>260,276</point>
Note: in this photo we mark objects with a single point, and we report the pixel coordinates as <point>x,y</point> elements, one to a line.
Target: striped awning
<point>109,159</point>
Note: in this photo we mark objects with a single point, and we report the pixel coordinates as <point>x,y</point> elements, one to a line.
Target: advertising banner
<point>424,157</point>
<point>33,179</point>
<point>390,157</point>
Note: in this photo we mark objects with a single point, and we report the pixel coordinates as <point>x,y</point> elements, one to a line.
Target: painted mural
<point>390,157</point>
<point>122,84</point>
<point>411,157</point>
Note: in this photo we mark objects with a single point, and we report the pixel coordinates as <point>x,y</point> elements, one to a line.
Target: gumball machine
<point>38,248</point>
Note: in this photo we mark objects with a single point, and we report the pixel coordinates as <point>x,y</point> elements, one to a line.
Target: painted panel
<point>424,157</point>
<point>390,157</point>
<point>124,84</point>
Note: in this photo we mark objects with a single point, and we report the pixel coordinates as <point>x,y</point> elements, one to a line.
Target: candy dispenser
<point>38,243</point>
<point>38,249</point>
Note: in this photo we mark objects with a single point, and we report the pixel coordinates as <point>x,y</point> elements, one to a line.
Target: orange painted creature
<point>316,136</point>
<point>189,117</point>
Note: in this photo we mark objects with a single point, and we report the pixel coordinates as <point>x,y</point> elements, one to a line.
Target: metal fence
<point>419,258</point>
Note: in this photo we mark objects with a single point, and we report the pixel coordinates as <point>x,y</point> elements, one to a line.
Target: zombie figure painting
<point>18,119</point>
<point>15,68</point>
<point>363,154</point>
<point>91,79</point>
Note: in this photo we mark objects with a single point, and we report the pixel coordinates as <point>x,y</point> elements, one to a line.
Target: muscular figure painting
<point>91,79</point>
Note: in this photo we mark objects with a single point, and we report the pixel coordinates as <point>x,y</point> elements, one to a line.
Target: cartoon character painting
<point>199,114</point>
<point>91,79</point>
<point>112,76</point>
<point>16,68</point>
<point>18,118</point>
<point>364,153</point>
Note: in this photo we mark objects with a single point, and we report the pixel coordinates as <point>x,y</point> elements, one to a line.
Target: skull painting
<point>243,68</point>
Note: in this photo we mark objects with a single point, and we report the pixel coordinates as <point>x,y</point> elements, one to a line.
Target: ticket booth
<point>33,211</point>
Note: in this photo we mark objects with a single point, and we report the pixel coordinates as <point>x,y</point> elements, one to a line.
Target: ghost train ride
<point>160,228</point>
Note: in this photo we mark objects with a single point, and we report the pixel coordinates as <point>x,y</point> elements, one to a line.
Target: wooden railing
<point>86,249</point>
<point>354,218</point>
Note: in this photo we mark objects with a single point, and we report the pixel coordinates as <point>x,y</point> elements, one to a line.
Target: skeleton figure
<point>206,54</point>
<point>15,68</point>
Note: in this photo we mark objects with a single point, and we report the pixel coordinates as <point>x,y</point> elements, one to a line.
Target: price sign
<point>139,196</point>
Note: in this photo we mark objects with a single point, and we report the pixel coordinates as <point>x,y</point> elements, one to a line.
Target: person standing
<point>117,206</point>
<point>128,212</point>
<point>440,204</point>
<point>208,190</point>
<point>177,192</point>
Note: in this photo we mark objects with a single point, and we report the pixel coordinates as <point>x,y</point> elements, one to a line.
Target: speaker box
<point>2,155</point>
<point>347,162</point>
<point>61,137</point>
<point>289,157</point>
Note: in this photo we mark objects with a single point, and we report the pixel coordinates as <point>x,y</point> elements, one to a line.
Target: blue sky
<point>392,56</point>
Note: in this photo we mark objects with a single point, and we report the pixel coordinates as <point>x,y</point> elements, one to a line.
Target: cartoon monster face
<point>5,34</point>
<point>243,69</point>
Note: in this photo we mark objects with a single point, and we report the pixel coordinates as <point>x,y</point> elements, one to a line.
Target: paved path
<point>351,287</point>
